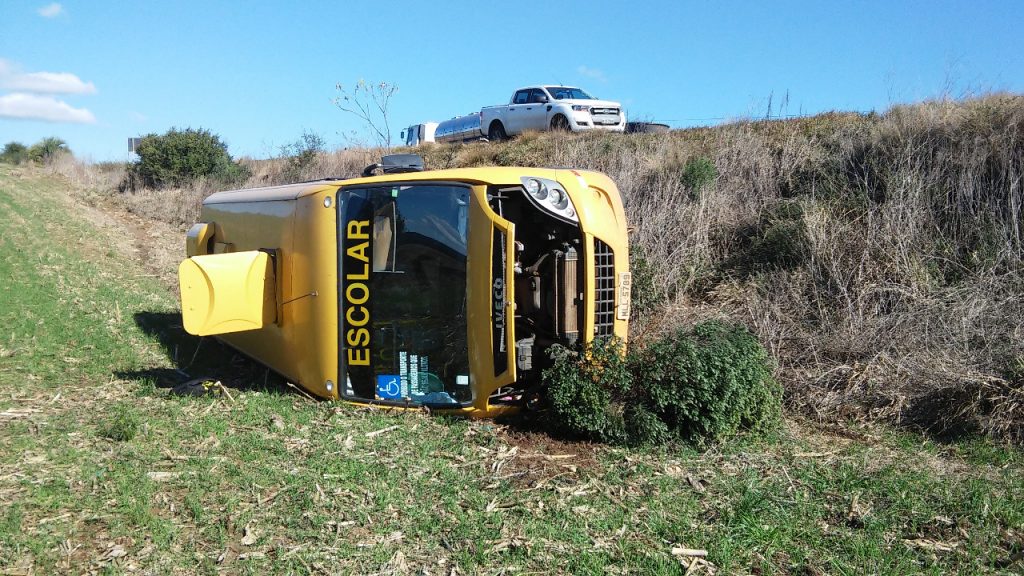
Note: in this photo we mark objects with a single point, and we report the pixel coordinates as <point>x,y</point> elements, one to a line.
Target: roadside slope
<point>102,470</point>
<point>880,256</point>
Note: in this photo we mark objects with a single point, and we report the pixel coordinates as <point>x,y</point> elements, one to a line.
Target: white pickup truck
<point>551,108</point>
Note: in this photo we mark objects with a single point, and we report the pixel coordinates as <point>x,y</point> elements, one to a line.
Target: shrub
<point>784,245</point>
<point>123,424</point>
<point>180,157</point>
<point>642,426</point>
<point>14,153</point>
<point>709,382</point>
<point>301,154</point>
<point>586,388</point>
<point>698,174</point>
<point>699,385</point>
<point>47,149</point>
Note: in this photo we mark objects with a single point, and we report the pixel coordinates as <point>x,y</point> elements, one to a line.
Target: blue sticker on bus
<point>389,386</point>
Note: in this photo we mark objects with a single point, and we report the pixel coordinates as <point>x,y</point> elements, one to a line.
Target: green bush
<point>47,149</point>
<point>698,174</point>
<point>710,382</point>
<point>699,385</point>
<point>642,426</point>
<point>784,245</point>
<point>14,153</point>
<point>122,425</point>
<point>301,154</point>
<point>585,390</point>
<point>179,157</point>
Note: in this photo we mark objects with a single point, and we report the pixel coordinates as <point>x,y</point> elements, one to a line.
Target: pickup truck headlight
<point>549,196</point>
<point>580,108</point>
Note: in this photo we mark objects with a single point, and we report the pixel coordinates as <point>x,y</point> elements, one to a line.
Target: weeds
<point>122,425</point>
<point>701,385</point>
<point>698,174</point>
<point>878,256</point>
<point>300,156</point>
<point>265,481</point>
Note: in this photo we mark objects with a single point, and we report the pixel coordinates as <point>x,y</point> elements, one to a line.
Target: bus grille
<point>604,289</point>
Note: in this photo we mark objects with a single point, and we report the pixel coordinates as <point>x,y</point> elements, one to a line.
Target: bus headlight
<point>559,199</point>
<point>549,196</point>
<point>535,188</point>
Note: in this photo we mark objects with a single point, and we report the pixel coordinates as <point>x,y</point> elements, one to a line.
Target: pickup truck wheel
<point>496,133</point>
<point>560,123</point>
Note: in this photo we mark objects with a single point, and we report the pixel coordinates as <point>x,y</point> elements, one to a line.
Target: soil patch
<point>540,458</point>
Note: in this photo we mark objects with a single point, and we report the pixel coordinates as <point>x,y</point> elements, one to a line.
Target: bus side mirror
<point>197,241</point>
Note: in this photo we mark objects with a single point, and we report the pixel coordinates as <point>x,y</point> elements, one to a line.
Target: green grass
<point>101,469</point>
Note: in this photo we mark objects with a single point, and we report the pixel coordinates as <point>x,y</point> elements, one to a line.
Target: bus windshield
<point>403,293</point>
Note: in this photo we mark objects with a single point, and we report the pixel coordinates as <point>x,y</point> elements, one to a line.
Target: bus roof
<point>487,175</point>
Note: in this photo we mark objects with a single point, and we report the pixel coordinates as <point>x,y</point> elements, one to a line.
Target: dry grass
<point>877,256</point>
<point>103,471</point>
<point>90,180</point>
<point>902,299</point>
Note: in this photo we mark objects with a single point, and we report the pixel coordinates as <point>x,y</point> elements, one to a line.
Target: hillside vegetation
<point>104,471</point>
<point>877,256</point>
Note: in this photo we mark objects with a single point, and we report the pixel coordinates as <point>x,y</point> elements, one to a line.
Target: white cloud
<point>12,78</point>
<point>592,73</point>
<point>46,108</point>
<point>51,10</point>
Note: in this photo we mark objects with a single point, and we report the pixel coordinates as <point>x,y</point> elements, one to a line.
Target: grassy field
<point>103,471</point>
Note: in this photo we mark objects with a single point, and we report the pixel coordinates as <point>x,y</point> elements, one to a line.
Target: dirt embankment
<point>878,257</point>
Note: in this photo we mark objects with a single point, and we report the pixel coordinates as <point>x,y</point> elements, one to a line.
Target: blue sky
<point>260,73</point>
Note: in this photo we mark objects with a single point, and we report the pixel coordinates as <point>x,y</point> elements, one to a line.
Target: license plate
<point>625,286</point>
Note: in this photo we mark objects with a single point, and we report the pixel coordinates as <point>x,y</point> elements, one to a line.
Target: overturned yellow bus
<point>412,288</point>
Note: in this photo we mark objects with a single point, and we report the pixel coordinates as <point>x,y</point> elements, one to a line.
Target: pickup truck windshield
<point>563,93</point>
<point>403,293</point>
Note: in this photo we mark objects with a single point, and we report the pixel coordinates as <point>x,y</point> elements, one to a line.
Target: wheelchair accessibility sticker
<point>389,386</point>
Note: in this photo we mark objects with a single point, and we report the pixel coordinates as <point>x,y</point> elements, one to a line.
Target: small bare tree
<point>369,102</point>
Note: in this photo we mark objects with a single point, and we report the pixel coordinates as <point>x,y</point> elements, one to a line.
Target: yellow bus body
<point>282,305</point>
